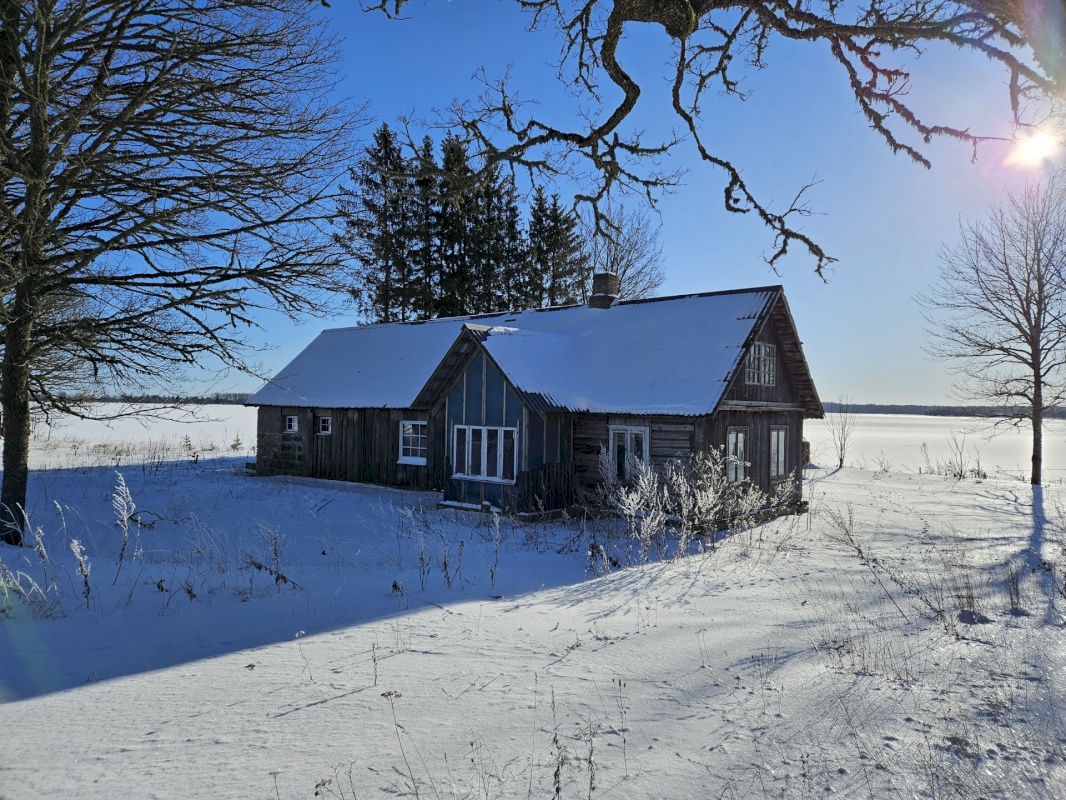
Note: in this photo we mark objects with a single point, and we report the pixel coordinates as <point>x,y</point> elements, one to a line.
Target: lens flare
<point>1034,149</point>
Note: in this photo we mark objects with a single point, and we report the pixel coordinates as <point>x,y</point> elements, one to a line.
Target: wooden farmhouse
<point>515,409</point>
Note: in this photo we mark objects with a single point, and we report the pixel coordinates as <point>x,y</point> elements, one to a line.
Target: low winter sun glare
<point>1034,149</point>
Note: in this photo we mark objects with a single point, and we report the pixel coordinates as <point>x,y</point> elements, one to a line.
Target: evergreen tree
<point>378,219</point>
<point>496,243</point>
<point>424,252</point>
<point>453,219</point>
<point>558,269</point>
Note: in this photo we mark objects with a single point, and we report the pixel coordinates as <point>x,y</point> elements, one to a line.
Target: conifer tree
<point>454,230</point>
<point>378,219</point>
<point>423,257</point>
<point>558,266</point>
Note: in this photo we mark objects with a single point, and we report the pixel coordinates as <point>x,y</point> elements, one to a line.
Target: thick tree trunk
<point>15,406</point>
<point>1038,436</point>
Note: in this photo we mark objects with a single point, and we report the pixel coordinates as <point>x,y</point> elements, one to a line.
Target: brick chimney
<point>604,290</point>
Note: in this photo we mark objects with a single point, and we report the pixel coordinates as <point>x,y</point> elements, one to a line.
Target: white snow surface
<point>415,652</point>
<point>664,356</point>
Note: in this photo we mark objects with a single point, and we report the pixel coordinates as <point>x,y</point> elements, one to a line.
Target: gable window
<point>762,363</point>
<point>414,443</point>
<point>629,444</point>
<point>736,468</point>
<point>482,453</point>
<point>292,424</point>
<point>325,426</point>
<point>777,452</point>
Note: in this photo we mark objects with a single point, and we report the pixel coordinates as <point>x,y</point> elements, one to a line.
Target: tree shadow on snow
<point>355,559</point>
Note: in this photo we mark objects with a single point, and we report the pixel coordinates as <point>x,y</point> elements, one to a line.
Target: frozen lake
<point>896,440</point>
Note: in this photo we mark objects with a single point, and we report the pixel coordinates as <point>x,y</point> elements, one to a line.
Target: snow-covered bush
<point>688,498</point>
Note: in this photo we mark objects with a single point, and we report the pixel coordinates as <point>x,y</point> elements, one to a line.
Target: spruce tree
<point>424,255</point>
<point>558,267</point>
<point>454,238</point>
<point>377,216</point>
<point>496,243</point>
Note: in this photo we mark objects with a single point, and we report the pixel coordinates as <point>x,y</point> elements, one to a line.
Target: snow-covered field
<point>286,638</point>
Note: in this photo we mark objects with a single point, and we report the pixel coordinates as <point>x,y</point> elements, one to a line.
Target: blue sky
<point>882,216</point>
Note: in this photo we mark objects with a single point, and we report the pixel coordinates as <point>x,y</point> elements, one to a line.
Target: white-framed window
<point>414,443</point>
<point>325,426</point>
<point>292,424</point>
<point>629,443</point>
<point>484,453</point>
<point>736,467</point>
<point>762,364</point>
<point>778,437</point>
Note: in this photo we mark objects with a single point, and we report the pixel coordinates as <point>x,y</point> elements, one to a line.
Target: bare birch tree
<point>871,42</point>
<point>841,425</point>
<point>165,165</point>
<point>631,251</point>
<point>998,309</point>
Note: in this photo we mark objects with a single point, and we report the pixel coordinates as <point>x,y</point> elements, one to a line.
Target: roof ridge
<point>721,292</point>
<point>488,315</point>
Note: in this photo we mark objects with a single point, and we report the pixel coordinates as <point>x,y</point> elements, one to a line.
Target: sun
<point>1034,149</point>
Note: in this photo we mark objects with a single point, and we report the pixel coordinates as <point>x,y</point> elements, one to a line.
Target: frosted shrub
<point>692,493</point>
<point>41,598</point>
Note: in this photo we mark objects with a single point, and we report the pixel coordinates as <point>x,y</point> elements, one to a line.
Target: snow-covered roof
<point>659,356</point>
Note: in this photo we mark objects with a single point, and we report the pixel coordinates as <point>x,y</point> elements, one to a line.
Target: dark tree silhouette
<point>164,167</point>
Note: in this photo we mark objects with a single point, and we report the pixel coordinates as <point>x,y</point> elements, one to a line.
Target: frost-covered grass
<point>233,636</point>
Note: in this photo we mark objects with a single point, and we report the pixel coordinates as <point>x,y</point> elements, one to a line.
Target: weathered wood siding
<point>363,445</point>
<point>711,432</point>
<point>546,479</point>
<point>668,437</point>
<point>783,390</point>
<point>674,437</point>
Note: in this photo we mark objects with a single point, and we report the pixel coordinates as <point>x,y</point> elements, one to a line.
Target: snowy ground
<point>274,638</point>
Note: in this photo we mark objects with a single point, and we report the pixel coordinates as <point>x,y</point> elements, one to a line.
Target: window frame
<point>410,458</point>
<point>323,425</point>
<point>779,460</point>
<point>629,431</point>
<point>761,366</point>
<point>483,461</point>
<point>736,466</point>
<point>291,424</point>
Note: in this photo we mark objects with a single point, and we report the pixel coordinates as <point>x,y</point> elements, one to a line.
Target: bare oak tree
<point>870,40</point>
<point>998,309</point>
<point>165,165</point>
<point>631,251</point>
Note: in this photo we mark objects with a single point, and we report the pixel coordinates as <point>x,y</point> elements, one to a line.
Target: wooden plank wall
<point>712,433</point>
<point>783,390</point>
<point>669,437</point>
<point>363,445</point>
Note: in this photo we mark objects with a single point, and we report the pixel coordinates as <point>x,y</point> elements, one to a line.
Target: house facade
<point>525,411</point>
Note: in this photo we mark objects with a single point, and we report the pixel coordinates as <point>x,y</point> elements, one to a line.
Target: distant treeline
<point>219,398</point>
<point>935,411</point>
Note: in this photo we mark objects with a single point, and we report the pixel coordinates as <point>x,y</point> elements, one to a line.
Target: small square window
<point>292,424</point>
<point>325,426</point>
<point>414,443</point>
